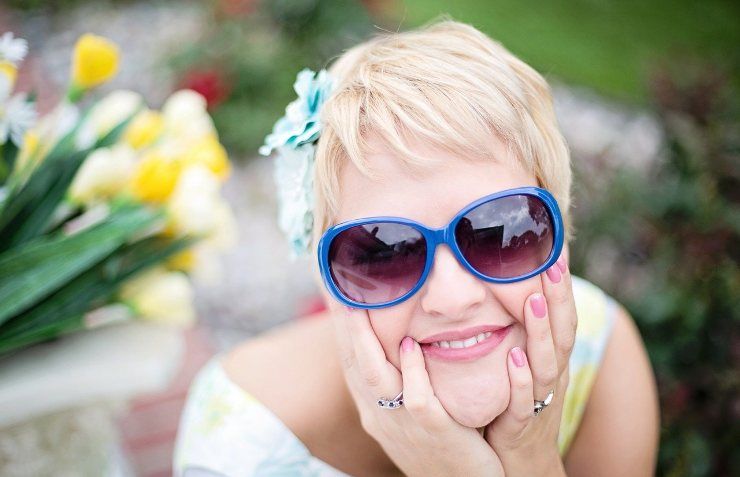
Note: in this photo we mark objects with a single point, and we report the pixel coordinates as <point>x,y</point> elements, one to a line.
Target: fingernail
<point>517,355</point>
<point>407,344</point>
<point>561,263</point>
<point>537,302</point>
<point>554,274</point>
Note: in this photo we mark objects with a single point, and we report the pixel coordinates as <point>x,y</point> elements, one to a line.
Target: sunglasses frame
<point>443,235</point>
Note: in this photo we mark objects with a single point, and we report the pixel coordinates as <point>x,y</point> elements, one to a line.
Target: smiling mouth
<point>463,343</point>
<point>467,349</point>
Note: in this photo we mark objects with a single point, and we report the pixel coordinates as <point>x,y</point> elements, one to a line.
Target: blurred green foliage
<point>256,54</point>
<point>674,237</point>
<point>608,46</point>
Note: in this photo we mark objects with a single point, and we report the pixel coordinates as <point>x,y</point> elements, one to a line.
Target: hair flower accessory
<point>294,137</point>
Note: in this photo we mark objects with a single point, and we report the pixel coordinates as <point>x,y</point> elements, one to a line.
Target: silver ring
<point>392,403</point>
<point>540,405</point>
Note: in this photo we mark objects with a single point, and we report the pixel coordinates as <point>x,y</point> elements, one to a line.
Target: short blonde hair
<point>449,85</point>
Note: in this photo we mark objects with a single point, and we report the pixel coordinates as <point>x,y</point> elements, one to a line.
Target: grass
<point>610,46</point>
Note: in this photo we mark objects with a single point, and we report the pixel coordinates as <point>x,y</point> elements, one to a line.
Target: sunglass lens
<point>378,262</point>
<point>506,237</point>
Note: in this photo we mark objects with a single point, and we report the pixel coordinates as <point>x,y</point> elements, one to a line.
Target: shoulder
<point>295,360</point>
<point>622,412</point>
<point>242,416</point>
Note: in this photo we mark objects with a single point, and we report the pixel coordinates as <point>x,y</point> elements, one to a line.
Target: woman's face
<point>473,391</point>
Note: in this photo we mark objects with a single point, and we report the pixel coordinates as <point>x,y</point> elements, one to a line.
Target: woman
<point>456,342</point>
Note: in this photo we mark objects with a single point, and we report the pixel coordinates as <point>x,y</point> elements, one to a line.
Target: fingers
<point>513,421</point>
<point>558,289</point>
<point>372,371</point>
<point>540,347</point>
<point>418,396</point>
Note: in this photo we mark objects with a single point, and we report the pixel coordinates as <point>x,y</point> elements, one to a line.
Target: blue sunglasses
<point>505,237</point>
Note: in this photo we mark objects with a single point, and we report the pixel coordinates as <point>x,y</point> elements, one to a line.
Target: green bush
<point>673,242</point>
<point>253,58</point>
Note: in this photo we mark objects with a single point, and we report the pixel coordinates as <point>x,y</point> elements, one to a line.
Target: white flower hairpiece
<point>294,137</point>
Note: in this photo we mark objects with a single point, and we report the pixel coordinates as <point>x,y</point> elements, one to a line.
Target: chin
<point>473,394</point>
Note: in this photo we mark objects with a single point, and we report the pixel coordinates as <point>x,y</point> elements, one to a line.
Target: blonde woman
<point>426,173</point>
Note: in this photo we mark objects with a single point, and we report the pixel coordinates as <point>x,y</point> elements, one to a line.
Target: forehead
<point>430,196</point>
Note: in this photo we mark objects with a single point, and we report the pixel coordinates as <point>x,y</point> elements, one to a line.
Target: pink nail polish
<point>517,355</point>
<point>554,274</point>
<point>561,263</point>
<point>407,344</point>
<point>537,302</point>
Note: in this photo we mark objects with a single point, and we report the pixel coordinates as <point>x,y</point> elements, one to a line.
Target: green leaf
<point>62,312</point>
<point>29,210</point>
<point>31,272</point>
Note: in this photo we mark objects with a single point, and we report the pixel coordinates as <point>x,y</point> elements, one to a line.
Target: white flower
<point>193,202</point>
<point>16,116</point>
<point>293,176</point>
<point>108,113</point>
<point>105,173</point>
<point>160,296</point>
<point>12,49</point>
<point>185,115</point>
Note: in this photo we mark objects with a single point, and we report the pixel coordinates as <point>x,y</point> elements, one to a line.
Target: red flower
<point>237,7</point>
<point>208,82</point>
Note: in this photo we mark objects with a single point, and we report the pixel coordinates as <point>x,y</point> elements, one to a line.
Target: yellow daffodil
<point>183,261</point>
<point>144,129</point>
<point>160,296</point>
<point>185,116</point>
<point>104,174</point>
<point>191,207</point>
<point>29,153</point>
<point>10,71</point>
<point>94,61</point>
<point>108,113</point>
<point>210,153</point>
<point>155,177</point>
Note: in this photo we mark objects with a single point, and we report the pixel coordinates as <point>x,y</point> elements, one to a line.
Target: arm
<point>619,433</point>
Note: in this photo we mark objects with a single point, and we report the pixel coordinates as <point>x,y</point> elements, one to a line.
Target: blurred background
<point>646,94</point>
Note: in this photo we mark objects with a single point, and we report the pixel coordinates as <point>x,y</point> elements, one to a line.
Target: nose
<point>450,290</point>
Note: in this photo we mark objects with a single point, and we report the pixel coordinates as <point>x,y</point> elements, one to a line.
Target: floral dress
<point>224,431</point>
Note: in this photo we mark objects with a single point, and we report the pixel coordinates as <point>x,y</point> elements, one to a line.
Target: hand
<point>420,437</point>
<point>527,444</point>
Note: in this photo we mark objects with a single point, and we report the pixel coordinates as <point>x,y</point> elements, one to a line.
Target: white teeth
<point>463,343</point>
<point>470,342</point>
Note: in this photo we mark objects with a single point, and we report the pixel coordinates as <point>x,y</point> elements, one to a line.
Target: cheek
<point>512,297</point>
<point>391,325</point>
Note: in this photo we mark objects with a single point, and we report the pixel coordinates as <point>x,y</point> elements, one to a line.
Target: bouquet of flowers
<point>107,211</point>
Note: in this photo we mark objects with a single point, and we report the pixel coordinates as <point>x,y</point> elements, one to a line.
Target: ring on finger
<point>540,405</point>
<point>391,403</point>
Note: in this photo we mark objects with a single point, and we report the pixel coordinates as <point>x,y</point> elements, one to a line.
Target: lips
<point>430,348</point>
<point>459,335</point>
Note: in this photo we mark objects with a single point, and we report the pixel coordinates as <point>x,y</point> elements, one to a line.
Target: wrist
<point>541,462</point>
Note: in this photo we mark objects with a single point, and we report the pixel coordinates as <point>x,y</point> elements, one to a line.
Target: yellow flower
<point>28,151</point>
<point>160,296</point>
<point>104,174</point>
<point>184,261</point>
<point>144,129</point>
<point>9,69</point>
<point>95,61</point>
<point>210,153</point>
<point>155,177</point>
<point>192,206</point>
